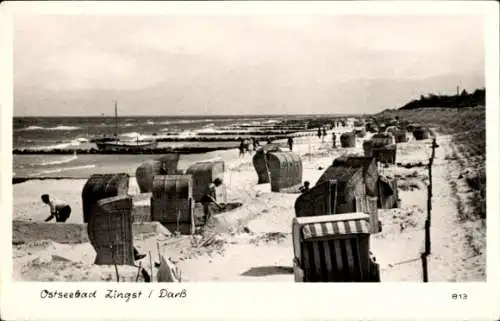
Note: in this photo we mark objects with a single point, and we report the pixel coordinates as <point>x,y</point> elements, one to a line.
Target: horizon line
<point>194,115</point>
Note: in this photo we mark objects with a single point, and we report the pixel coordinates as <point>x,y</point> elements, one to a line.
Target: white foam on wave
<point>185,121</point>
<point>81,140</point>
<point>58,162</point>
<point>63,169</point>
<point>75,142</point>
<point>60,127</point>
<point>32,128</point>
<point>137,136</point>
<point>187,133</point>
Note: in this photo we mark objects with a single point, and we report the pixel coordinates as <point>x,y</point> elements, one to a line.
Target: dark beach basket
<point>100,186</point>
<point>110,231</point>
<point>172,199</point>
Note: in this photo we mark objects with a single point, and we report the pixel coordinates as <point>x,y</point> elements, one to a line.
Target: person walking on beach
<point>210,198</point>
<point>255,143</point>
<point>334,140</point>
<point>58,209</point>
<point>242,147</point>
<point>290,143</point>
<point>319,132</point>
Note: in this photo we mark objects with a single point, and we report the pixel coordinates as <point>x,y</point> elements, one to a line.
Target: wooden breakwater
<point>122,151</point>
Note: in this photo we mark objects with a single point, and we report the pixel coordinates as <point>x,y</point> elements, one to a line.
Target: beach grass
<point>467,127</point>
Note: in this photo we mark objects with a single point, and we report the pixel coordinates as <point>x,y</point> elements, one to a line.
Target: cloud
<point>252,61</point>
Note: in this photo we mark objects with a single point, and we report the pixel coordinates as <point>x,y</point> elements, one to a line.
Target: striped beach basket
<point>333,248</point>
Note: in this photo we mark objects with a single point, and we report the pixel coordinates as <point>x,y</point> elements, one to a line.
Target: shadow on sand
<point>268,270</point>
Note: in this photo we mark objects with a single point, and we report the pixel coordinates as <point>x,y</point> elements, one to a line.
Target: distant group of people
<point>322,133</point>
<point>245,145</point>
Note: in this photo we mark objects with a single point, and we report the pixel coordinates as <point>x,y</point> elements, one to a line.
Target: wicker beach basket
<point>361,132</point>
<point>259,161</point>
<point>386,154</point>
<point>420,133</point>
<point>100,186</point>
<point>204,173</point>
<point>369,166</point>
<point>400,136</point>
<point>165,165</point>
<point>285,171</point>
<point>388,193</point>
<point>110,231</point>
<point>319,200</point>
<point>350,186</point>
<point>348,139</point>
<point>172,199</point>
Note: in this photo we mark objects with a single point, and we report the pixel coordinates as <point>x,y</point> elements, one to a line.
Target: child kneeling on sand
<point>210,198</point>
<point>58,209</point>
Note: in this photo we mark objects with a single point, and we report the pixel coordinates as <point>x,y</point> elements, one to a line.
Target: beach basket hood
<point>172,199</point>
<point>285,171</point>
<point>351,190</point>
<point>369,166</point>
<point>420,133</point>
<point>333,248</point>
<point>400,136</point>
<point>388,192</point>
<point>165,165</point>
<point>204,173</point>
<point>348,139</point>
<point>385,154</point>
<point>100,186</point>
<point>320,199</point>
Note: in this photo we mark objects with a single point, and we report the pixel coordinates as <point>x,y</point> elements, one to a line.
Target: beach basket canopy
<point>285,170</point>
<point>100,186</point>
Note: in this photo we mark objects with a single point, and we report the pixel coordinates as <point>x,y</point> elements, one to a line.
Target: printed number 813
<point>459,296</point>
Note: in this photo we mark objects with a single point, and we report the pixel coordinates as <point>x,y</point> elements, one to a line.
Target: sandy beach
<point>258,246</point>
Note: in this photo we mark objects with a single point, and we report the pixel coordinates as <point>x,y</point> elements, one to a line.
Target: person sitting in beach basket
<point>290,143</point>
<point>305,188</point>
<point>210,198</point>
<point>58,209</point>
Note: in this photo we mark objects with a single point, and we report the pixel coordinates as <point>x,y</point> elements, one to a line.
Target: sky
<point>77,65</point>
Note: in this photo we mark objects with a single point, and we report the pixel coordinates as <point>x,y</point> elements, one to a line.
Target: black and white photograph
<point>249,148</point>
<point>150,148</point>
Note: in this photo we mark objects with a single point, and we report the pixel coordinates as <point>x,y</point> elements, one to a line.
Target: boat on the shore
<point>107,143</point>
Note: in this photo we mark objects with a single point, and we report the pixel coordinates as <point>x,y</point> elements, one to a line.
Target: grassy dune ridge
<point>467,127</point>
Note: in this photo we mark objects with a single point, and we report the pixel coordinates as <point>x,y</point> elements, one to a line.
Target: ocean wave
<point>185,121</point>
<point>58,162</point>
<point>59,146</point>
<point>187,133</point>
<point>60,127</point>
<point>63,169</point>
<point>138,136</point>
<point>81,140</point>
